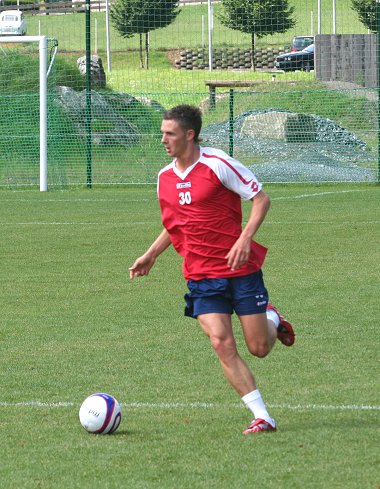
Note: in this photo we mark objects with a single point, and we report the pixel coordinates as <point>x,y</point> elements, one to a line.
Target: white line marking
<point>199,405</point>
<point>69,201</point>
<point>140,223</point>
<point>297,407</point>
<point>330,223</point>
<point>107,223</point>
<point>127,201</point>
<point>328,407</point>
<point>317,194</point>
<point>125,223</point>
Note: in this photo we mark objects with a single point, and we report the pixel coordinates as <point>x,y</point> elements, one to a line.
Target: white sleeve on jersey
<point>233,174</point>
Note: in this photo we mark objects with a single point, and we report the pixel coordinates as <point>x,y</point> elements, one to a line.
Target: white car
<point>12,23</point>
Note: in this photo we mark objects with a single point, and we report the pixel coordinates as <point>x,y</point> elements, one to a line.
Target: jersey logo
<point>254,187</point>
<point>184,185</point>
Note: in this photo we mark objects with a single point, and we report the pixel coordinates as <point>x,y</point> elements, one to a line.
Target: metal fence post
<point>88,95</point>
<point>378,88</point>
<point>231,125</point>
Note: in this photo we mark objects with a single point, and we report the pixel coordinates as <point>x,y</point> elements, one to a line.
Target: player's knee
<point>223,348</point>
<point>259,350</point>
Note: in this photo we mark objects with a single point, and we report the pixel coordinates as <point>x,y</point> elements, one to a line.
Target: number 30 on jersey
<point>184,198</point>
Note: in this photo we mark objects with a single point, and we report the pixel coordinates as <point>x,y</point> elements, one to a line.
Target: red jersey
<point>201,210</point>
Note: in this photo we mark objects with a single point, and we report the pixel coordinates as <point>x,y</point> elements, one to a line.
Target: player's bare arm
<point>240,252</point>
<point>144,263</point>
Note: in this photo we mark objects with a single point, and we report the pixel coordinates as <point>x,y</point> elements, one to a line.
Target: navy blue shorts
<point>244,295</point>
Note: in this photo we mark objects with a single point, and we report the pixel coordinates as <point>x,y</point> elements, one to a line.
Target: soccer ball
<point>100,413</point>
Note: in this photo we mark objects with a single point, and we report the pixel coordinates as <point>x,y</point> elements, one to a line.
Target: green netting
<point>316,123</point>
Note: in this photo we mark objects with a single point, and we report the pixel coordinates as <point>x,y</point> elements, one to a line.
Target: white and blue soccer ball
<point>100,413</point>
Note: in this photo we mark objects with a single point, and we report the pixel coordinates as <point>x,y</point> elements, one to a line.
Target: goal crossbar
<point>42,42</point>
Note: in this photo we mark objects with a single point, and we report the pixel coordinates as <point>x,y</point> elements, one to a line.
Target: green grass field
<point>73,324</point>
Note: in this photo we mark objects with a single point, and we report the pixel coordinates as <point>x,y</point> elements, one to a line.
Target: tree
<point>366,10</point>
<point>257,17</point>
<point>131,17</point>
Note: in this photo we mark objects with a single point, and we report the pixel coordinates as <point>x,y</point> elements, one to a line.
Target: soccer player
<point>200,194</point>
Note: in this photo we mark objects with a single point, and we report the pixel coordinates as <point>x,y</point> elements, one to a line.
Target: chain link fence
<point>291,115</point>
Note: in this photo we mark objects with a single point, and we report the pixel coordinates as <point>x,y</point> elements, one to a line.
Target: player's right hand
<point>141,267</point>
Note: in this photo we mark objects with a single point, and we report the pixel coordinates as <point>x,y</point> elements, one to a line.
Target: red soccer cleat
<point>259,425</point>
<point>285,331</point>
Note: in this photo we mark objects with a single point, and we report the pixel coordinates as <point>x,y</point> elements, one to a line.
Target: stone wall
<point>351,58</point>
<point>228,58</point>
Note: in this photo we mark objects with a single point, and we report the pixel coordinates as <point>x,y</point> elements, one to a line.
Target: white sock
<point>273,316</point>
<point>255,403</point>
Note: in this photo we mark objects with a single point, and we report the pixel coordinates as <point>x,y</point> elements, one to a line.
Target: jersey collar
<point>183,175</point>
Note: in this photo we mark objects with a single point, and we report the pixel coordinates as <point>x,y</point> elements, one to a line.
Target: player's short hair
<point>187,116</point>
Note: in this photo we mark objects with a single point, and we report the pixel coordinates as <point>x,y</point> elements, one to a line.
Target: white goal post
<point>42,41</point>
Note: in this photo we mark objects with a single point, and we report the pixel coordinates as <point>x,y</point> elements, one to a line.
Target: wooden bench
<point>213,84</point>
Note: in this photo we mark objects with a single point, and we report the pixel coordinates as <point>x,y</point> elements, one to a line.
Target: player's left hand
<point>239,254</point>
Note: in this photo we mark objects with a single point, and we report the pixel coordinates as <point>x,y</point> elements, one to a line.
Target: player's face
<point>174,138</point>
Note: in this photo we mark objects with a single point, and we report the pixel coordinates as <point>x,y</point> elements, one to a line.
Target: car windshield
<point>309,49</point>
<point>9,18</point>
<point>301,43</point>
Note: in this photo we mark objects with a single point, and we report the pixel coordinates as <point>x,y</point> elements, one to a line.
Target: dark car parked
<point>299,60</point>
